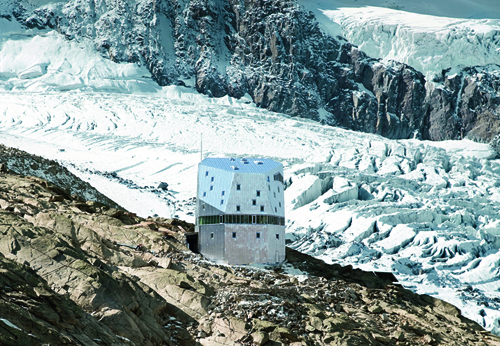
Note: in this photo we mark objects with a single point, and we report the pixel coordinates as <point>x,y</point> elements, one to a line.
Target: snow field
<point>427,36</point>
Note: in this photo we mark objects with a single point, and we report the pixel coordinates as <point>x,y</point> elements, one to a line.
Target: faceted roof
<point>241,165</point>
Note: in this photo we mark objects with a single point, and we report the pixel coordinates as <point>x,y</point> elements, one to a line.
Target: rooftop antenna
<point>201,151</point>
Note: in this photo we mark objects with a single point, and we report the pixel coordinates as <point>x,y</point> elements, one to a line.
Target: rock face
<point>276,52</point>
<point>71,273</point>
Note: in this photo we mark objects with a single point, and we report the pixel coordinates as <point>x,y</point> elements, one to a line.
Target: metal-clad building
<point>240,211</point>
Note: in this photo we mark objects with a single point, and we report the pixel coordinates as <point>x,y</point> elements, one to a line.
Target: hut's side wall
<point>275,244</point>
<point>246,248</point>
<point>212,246</point>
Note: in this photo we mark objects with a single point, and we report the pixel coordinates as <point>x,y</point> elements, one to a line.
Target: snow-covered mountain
<point>85,84</point>
<point>274,51</point>
<point>430,36</point>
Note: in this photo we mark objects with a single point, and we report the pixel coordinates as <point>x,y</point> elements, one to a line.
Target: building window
<point>268,178</point>
<point>238,187</point>
<point>212,179</point>
<point>206,174</point>
<point>204,194</point>
<point>258,235</point>
<point>261,208</point>
<point>254,202</point>
<point>275,209</point>
<point>274,194</point>
<point>203,206</point>
<point>258,193</point>
<point>278,189</point>
<point>211,188</point>
<point>211,236</point>
<point>238,208</point>
<point>277,236</point>
<point>221,201</point>
<point>280,204</point>
<point>222,193</point>
<point>269,187</point>
<point>278,177</point>
<point>234,235</point>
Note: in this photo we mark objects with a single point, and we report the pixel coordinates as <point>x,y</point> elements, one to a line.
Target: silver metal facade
<point>240,210</point>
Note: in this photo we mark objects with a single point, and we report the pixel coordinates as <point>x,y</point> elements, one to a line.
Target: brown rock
<point>260,338</point>
<point>375,309</point>
<point>56,198</point>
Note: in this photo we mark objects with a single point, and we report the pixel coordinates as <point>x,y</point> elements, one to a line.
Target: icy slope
<point>426,35</point>
<point>35,60</point>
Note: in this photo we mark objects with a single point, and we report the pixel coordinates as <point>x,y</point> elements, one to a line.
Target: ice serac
<point>276,52</point>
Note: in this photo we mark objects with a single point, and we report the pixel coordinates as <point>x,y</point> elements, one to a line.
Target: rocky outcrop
<point>276,52</point>
<point>56,177</point>
<point>71,272</point>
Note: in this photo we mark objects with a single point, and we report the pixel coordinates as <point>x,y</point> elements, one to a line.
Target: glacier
<point>426,211</point>
<point>430,37</point>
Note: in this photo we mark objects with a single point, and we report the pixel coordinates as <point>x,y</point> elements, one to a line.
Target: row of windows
<point>254,202</point>
<point>277,176</point>
<point>241,219</point>
<point>257,235</point>
<point>238,187</point>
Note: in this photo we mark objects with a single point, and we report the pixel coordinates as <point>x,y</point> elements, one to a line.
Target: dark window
<point>280,204</point>
<point>258,235</point>
<point>204,194</point>
<point>211,236</point>
<point>275,209</point>
<point>221,201</point>
<point>212,179</point>
<point>269,187</point>
<point>258,193</point>
<point>268,179</point>
<point>277,236</point>
<point>238,187</point>
<point>278,177</point>
<point>211,188</point>
<point>245,218</point>
<point>206,174</point>
<point>222,193</point>
<point>234,235</point>
<point>254,219</point>
<point>254,202</point>
<point>238,208</point>
<point>221,218</point>
<point>203,206</point>
<point>274,194</point>
<point>278,189</point>
<point>261,208</point>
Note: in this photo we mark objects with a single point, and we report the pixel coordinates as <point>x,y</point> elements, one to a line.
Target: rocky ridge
<point>276,52</point>
<point>72,273</point>
<point>58,178</point>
